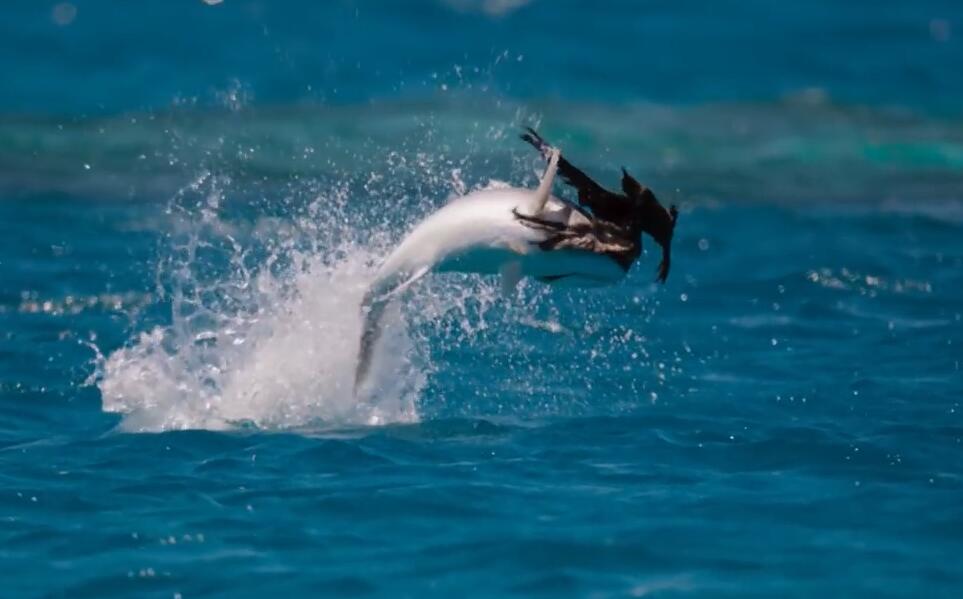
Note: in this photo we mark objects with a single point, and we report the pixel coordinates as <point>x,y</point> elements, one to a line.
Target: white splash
<point>272,345</point>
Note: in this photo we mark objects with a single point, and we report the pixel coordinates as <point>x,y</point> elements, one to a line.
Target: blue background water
<point>782,418</point>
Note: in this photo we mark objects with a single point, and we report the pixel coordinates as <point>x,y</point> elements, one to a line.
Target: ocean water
<point>194,195</point>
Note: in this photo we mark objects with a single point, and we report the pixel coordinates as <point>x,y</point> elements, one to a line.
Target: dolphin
<point>516,232</point>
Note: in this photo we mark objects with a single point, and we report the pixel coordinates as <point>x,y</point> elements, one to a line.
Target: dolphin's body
<point>481,233</point>
<point>515,233</point>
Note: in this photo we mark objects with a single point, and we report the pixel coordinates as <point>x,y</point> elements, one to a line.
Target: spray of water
<point>264,325</point>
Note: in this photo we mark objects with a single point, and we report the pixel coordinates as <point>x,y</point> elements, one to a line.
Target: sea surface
<point>195,194</point>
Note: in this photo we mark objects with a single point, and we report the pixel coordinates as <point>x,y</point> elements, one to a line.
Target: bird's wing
<point>602,202</point>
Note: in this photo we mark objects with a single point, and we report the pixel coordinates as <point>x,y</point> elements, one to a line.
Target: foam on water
<point>264,327</point>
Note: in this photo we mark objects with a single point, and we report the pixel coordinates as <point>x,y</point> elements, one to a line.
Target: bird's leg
<point>532,137</point>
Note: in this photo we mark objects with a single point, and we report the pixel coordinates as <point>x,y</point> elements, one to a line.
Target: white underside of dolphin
<point>480,233</point>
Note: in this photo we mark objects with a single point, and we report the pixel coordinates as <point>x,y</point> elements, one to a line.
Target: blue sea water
<point>193,196</point>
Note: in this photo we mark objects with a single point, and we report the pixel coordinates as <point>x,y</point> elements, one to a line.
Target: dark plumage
<point>618,219</point>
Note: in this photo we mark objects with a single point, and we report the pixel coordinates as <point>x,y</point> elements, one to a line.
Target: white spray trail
<point>270,346</point>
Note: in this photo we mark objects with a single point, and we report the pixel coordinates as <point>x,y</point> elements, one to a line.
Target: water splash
<point>264,326</point>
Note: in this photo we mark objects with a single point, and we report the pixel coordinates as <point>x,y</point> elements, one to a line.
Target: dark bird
<point>619,219</point>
